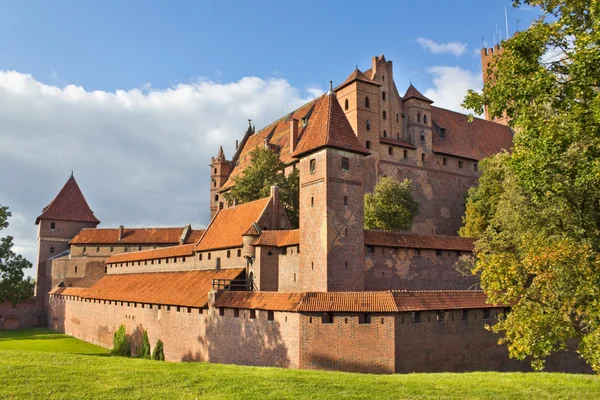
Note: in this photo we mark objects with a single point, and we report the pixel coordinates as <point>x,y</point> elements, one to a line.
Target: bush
<point>145,353</point>
<point>121,345</point>
<point>158,353</point>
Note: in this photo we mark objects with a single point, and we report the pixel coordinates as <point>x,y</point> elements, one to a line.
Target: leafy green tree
<point>266,170</point>
<point>121,346</point>
<point>145,352</point>
<point>13,287</point>
<point>391,206</point>
<point>536,212</point>
<point>158,354</point>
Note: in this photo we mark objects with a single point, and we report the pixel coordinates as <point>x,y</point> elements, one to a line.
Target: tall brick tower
<point>331,201</point>
<point>487,56</point>
<point>220,168</point>
<point>417,109</point>
<point>60,221</point>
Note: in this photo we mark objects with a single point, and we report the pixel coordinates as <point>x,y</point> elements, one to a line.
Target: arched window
<point>52,226</point>
<point>422,136</point>
<point>76,269</point>
<point>111,249</point>
<point>346,104</point>
<point>384,115</point>
<point>425,119</point>
<point>383,95</point>
<point>384,133</point>
<point>367,102</point>
<point>418,117</point>
<point>51,249</point>
<point>368,125</point>
<point>97,249</point>
<point>397,119</point>
<point>84,249</point>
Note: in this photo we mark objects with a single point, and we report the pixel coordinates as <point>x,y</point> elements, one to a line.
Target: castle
<point>251,290</point>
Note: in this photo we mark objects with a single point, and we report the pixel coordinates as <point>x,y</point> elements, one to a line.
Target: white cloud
<point>455,48</point>
<point>451,85</point>
<point>140,155</point>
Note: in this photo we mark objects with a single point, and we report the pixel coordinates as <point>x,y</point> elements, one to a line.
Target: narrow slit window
<point>345,164</point>
<point>313,166</point>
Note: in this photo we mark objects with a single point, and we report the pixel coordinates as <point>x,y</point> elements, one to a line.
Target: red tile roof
<point>397,142</point>
<point>357,75</point>
<point>187,288</point>
<point>328,127</point>
<point>279,238</point>
<point>68,291</point>
<point>165,252</point>
<point>412,92</point>
<point>229,225</point>
<point>474,140</point>
<point>381,302</point>
<point>414,241</point>
<point>68,205</point>
<point>135,236</point>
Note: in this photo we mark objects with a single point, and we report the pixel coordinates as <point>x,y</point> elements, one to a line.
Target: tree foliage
<point>145,351</point>
<point>536,211</point>
<point>13,287</point>
<point>159,353</point>
<point>391,206</point>
<point>121,345</point>
<point>266,170</point>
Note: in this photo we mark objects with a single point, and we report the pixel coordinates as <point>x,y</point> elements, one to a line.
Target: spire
<point>412,92</point>
<point>328,127</point>
<point>221,155</point>
<point>69,205</point>
<point>330,92</point>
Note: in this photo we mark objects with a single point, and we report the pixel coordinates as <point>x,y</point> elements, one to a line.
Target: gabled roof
<point>153,254</point>
<point>227,228</point>
<point>186,288</point>
<point>473,140</point>
<point>68,205</point>
<point>412,92</point>
<point>357,75</point>
<point>280,238</point>
<point>136,236</point>
<point>381,302</point>
<point>415,241</point>
<point>328,127</point>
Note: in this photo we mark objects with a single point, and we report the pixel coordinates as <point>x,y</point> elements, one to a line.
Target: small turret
<point>220,168</point>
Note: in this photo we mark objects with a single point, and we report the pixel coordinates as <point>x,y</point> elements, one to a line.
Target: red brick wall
<point>22,315</point>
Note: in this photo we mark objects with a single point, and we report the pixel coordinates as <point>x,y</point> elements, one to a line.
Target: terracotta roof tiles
<point>440,300</point>
<point>415,241</point>
<point>347,302</point>
<point>135,236</point>
<point>412,92</point>
<point>357,75</point>
<point>165,252</point>
<point>280,238</point>
<point>69,205</point>
<point>274,301</point>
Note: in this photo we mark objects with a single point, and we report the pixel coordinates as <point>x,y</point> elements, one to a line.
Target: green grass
<point>62,375</point>
<point>46,340</point>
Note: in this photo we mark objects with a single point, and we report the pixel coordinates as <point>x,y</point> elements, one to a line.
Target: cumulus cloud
<point>140,155</point>
<point>451,85</point>
<point>455,48</point>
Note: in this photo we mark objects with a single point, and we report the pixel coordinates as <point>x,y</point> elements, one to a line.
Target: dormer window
<point>304,121</point>
<point>52,226</point>
<point>443,133</point>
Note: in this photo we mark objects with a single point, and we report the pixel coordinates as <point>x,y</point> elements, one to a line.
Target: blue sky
<point>136,96</point>
<point>109,45</point>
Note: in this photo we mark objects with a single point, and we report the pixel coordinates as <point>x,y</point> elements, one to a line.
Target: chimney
<point>121,232</point>
<point>293,134</point>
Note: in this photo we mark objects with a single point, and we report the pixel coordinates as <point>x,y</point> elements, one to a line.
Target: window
<point>239,252</point>
<point>76,269</point>
<point>346,262</point>
<point>444,161</point>
<point>475,167</point>
<point>460,164</point>
<point>391,151</point>
<point>438,253</point>
<point>218,263</point>
<point>345,164</point>
<point>419,117</point>
<point>368,145</point>
<point>97,249</point>
<point>372,249</point>
<point>486,313</point>
<point>208,256</point>
<point>126,249</point>
<point>216,197</point>
<point>364,318</point>
<point>215,171</point>
<point>368,125</point>
<point>415,316</point>
<point>221,311</point>
<point>270,315</point>
<point>384,133</point>
<point>139,248</point>
<point>397,120</point>
<point>200,257</point>
<point>236,313</point>
<point>327,318</point>
<point>312,201</point>
<point>418,252</point>
<point>346,104</point>
<point>214,183</point>
<point>111,249</point>
<point>228,253</point>
<point>465,315</point>
<point>422,137</point>
<point>252,314</point>
<point>423,157</point>
<point>294,277</point>
<point>345,232</point>
<point>345,200</point>
<point>425,119</point>
<point>405,153</point>
<point>384,115</point>
<point>367,105</point>
<point>84,249</point>
<point>383,77</point>
<point>383,95</point>
<point>52,226</point>
<point>313,166</point>
<point>441,316</point>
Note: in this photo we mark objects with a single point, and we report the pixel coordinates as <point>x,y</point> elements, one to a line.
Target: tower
<point>220,168</point>
<point>59,222</point>
<point>487,56</point>
<point>417,110</point>
<point>331,201</point>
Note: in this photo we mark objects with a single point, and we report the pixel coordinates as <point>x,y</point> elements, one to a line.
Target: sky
<point>136,96</point>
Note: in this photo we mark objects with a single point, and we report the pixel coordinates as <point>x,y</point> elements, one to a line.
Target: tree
<point>266,170</point>
<point>158,354</point>
<point>145,352</point>
<point>536,211</point>
<point>391,206</point>
<point>13,287</point>
<point>121,346</point>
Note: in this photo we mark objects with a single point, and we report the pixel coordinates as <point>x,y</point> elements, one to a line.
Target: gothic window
<point>408,119</point>
<point>313,166</point>
<point>97,249</point>
<point>368,125</point>
<point>346,104</point>
<point>384,115</point>
<point>425,119</point>
<point>419,117</point>
<point>367,105</point>
<point>52,226</point>
<point>405,153</point>
<point>384,132</point>
<point>383,95</point>
<point>397,120</point>
<point>345,164</point>
<point>215,171</point>
<point>422,136</point>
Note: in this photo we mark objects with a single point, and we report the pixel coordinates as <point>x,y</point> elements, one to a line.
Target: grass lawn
<point>53,374</point>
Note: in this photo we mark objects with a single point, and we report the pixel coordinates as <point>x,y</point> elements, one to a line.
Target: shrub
<point>121,345</point>
<point>145,353</point>
<point>158,353</point>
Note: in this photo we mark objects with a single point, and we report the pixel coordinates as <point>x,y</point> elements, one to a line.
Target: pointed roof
<point>357,75</point>
<point>68,205</point>
<point>221,155</point>
<point>328,127</point>
<point>412,92</point>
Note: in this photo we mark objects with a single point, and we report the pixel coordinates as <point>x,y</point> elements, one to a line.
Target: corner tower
<point>220,168</point>
<point>331,201</point>
<point>59,222</point>
<point>487,57</point>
